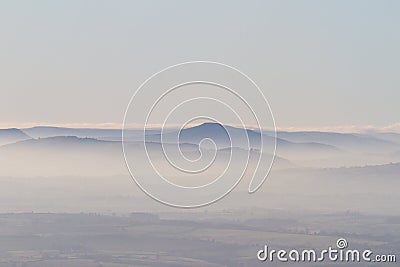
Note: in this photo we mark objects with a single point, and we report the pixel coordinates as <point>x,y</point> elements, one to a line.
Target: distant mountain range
<point>71,155</point>
<point>345,141</point>
<point>12,135</point>
<point>392,137</point>
<point>218,133</point>
<point>308,149</point>
<point>103,134</point>
<point>377,142</point>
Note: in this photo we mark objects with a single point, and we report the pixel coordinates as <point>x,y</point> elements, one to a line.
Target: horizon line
<point>393,128</point>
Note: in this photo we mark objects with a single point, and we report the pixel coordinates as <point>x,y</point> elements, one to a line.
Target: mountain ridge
<point>12,135</point>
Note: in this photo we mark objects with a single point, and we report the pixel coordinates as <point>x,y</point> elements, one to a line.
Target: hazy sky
<point>320,63</point>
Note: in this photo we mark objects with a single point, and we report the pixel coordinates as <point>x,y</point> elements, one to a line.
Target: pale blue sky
<point>320,63</point>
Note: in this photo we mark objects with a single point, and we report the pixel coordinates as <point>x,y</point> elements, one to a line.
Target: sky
<point>321,64</point>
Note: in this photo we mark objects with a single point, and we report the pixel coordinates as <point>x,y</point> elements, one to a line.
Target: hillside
<point>12,135</point>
